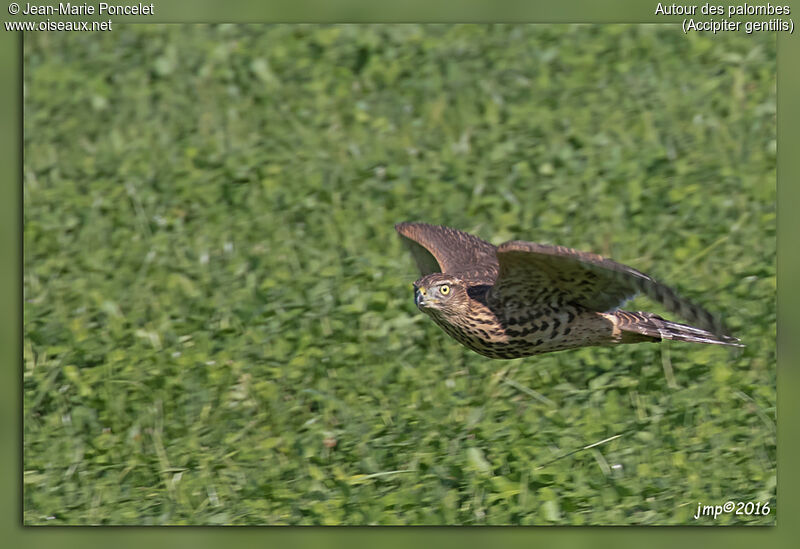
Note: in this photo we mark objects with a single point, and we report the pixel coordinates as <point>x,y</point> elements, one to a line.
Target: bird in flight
<point>521,298</point>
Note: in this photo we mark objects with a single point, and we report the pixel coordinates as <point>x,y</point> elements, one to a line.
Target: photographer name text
<point>102,8</point>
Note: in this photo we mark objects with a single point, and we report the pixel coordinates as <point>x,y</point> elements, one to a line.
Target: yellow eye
<point>444,289</point>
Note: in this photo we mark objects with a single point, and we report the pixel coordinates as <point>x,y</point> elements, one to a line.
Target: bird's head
<point>441,293</point>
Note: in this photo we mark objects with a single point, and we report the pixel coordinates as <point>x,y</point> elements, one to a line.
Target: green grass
<point>219,322</point>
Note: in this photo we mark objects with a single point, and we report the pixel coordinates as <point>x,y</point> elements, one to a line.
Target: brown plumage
<point>521,298</point>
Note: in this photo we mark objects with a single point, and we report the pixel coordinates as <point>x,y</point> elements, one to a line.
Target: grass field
<point>219,322</point>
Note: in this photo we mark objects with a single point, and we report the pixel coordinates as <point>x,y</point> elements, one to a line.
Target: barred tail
<point>656,328</point>
<point>708,323</point>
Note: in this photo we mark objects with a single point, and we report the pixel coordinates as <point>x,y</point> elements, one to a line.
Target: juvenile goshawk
<point>521,298</point>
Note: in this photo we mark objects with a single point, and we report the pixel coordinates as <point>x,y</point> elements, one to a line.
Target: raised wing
<point>438,249</point>
<point>540,273</point>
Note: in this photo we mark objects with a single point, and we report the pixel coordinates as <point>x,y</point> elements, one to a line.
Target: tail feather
<point>687,310</point>
<point>656,328</point>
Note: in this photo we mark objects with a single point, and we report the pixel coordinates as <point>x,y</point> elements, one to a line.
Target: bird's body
<point>521,298</point>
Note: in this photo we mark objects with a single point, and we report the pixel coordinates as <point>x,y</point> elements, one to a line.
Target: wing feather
<point>442,249</point>
<point>539,272</point>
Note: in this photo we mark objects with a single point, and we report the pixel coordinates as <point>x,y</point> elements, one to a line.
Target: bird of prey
<point>522,298</point>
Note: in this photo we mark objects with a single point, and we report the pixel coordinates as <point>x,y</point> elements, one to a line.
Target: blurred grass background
<point>219,326</point>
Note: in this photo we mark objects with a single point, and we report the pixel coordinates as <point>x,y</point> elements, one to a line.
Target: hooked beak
<point>420,297</point>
